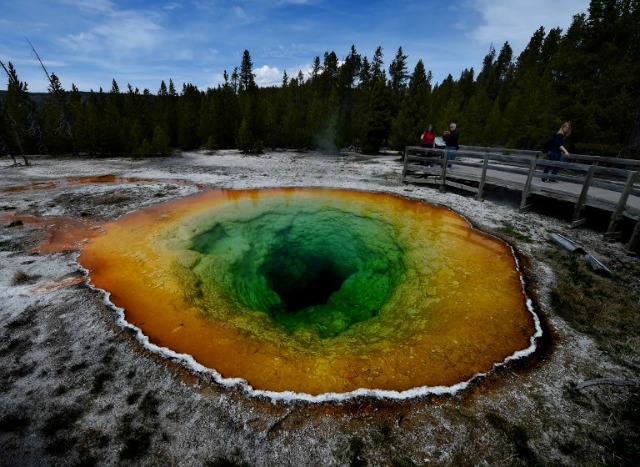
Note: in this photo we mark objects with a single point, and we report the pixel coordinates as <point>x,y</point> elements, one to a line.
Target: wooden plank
<point>583,195</point>
<point>634,241</point>
<point>483,176</point>
<point>622,202</point>
<point>612,172</point>
<point>607,160</point>
<point>461,186</point>
<point>617,187</point>
<point>512,169</point>
<point>527,186</point>
<point>443,175</point>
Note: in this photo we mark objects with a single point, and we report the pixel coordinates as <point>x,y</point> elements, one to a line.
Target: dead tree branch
<point>59,100</point>
<point>14,86</point>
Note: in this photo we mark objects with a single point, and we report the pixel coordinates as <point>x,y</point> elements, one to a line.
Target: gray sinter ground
<point>76,388</point>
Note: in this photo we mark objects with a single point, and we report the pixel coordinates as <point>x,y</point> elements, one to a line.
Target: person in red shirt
<point>427,140</point>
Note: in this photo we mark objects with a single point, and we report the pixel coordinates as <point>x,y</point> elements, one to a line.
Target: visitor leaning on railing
<point>558,150</point>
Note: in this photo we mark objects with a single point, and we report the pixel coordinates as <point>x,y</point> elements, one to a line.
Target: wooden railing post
<point>634,240</point>
<point>485,164</point>
<point>406,163</point>
<point>622,202</point>
<point>527,186</point>
<point>576,221</point>
<point>445,161</point>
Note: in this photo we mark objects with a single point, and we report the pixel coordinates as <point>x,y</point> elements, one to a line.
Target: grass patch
<point>112,198</point>
<point>605,309</point>
<point>516,434</point>
<point>511,230</point>
<point>626,442</point>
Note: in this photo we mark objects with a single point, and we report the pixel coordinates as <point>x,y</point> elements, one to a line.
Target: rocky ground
<point>78,389</point>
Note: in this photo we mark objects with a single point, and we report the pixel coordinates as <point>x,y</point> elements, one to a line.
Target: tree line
<point>588,75</point>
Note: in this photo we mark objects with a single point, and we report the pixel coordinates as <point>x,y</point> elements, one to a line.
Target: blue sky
<point>142,42</point>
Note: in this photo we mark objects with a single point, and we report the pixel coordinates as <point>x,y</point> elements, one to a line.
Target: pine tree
<point>398,77</point>
<point>247,77</point>
<point>414,113</point>
<point>378,119</point>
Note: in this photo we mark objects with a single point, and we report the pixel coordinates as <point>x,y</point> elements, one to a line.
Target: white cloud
<point>122,33</point>
<point>516,21</point>
<point>100,6</point>
<point>268,76</point>
<point>240,13</point>
<point>183,54</point>
<point>172,6</point>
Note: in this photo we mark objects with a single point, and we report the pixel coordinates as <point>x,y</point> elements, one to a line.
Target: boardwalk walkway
<point>608,184</point>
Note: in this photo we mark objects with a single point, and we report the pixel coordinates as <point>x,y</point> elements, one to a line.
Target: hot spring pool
<point>317,291</point>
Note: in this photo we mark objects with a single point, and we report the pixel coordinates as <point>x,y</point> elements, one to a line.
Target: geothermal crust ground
<point>78,388</point>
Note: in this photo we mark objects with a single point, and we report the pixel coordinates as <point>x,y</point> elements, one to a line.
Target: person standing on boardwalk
<point>428,138</point>
<point>451,141</point>
<point>558,150</point>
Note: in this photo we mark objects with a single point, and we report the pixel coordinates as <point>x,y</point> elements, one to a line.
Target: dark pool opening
<point>302,279</point>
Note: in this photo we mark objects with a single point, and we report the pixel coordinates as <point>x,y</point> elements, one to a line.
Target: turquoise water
<point>310,267</point>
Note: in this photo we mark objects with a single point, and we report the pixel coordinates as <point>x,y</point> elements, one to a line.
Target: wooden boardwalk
<point>609,184</point>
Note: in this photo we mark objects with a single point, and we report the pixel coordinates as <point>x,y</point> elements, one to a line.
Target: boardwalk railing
<point>610,184</point>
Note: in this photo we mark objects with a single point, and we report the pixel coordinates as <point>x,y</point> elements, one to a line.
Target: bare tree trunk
<point>3,147</point>
<point>58,93</point>
<point>13,123</point>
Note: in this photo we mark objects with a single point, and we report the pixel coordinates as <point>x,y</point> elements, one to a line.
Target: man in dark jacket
<point>451,141</point>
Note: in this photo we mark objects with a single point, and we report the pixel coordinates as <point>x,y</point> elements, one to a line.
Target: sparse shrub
<point>19,322</point>
<point>518,436</point>
<point>62,419</point>
<point>13,422</point>
<point>60,390</point>
<point>79,366</point>
<point>224,462</point>
<point>149,404</point>
<point>136,440</point>
<point>112,198</point>
<point>60,445</point>
<point>99,381</point>
<point>144,150</point>
<point>108,355</point>
<point>211,144</point>
<point>22,278</point>
<point>133,397</point>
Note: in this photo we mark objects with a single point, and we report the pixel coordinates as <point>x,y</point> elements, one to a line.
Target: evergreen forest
<point>588,74</point>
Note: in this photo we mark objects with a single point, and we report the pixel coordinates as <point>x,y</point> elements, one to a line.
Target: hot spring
<point>317,291</point>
